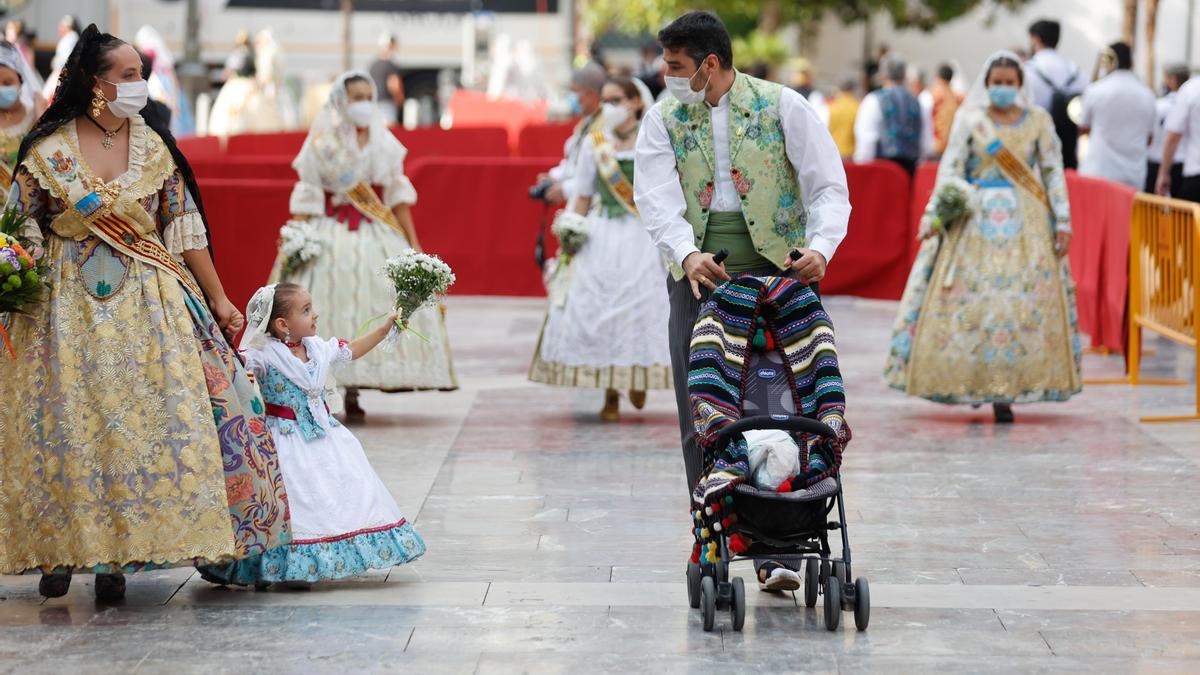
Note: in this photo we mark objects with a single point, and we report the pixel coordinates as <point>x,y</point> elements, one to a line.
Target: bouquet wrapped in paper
<point>421,280</point>
<point>299,243</point>
<point>21,270</point>
<point>953,202</point>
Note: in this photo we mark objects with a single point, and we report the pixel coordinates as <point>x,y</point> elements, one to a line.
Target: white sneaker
<point>781,579</point>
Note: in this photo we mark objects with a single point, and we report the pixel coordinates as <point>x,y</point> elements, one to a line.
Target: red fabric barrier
<point>199,146</point>
<point>477,215</point>
<point>244,216</point>
<point>874,259</point>
<point>1100,212</point>
<point>544,140</point>
<point>479,141</point>
<point>255,167</point>
<point>282,143</point>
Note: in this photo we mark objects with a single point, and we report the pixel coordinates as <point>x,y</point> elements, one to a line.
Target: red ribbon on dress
<point>281,411</point>
<point>347,213</point>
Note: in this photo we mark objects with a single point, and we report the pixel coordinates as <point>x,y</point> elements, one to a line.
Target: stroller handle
<point>782,422</point>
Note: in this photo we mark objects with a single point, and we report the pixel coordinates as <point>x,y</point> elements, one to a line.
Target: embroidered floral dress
<point>988,315</point>
<point>132,437</point>
<point>609,330</point>
<point>344,520</point>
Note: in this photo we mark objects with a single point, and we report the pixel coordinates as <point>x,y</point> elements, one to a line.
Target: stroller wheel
<point>833,603</point>
<point>693,585</point>
<point>812,581</point>
<point>862,603</point>
<point>738,603</point>
<point>708,602</point>
<point>825,572</point>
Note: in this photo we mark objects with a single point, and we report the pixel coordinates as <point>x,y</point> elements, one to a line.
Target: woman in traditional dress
<point>242,106</point>
<point>17,108</point>
<point>353,188</point>
<point>607,329</point>
<point>164,84</point>
<point>132,437</point>
<point>988,315</point>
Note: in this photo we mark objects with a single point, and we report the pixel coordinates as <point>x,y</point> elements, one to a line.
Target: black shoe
<point>110,587</point>
<point>54,585</point>
<point>1003,412</point>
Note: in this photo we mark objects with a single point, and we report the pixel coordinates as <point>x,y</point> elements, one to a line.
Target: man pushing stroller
<point>740,166</point>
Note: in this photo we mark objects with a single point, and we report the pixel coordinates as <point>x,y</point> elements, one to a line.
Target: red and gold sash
<point>370,205</point>
<point>1017,171</point>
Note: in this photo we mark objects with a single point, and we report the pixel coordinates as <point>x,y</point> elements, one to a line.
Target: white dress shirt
<point>1119,111</point>
<point>564,173</point>
<point>868,129</point>
<point>809,147</point>
<point>1055,67</point>
<point>1162,108</point>
<point>1184,118</point>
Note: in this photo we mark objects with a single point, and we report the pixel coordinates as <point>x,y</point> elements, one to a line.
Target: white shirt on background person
<point>1162,107</point>
<point>868,129</point>
<point>1119,111</point>
<point>809,147</point>
<point>1055,67</point>
<point>1184,118</point>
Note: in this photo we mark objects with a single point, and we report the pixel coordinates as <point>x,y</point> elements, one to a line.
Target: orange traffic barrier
<point>1164,270</point>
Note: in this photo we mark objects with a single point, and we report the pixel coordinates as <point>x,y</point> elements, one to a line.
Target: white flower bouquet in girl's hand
<point>420,280</point>
<point>299,243</point>
<point>953,202</point>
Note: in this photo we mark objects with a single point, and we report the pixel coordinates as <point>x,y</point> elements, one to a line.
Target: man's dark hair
<point>945,72</point>
<point>699,34</point>
<point>1123,55</point>
<point>1047,32</point>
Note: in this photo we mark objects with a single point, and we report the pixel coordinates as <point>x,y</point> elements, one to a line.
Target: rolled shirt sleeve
<point>657,191</point>
<point>819,171</point>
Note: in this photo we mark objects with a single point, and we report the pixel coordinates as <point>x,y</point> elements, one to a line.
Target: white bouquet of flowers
<point>572,231</point>
<point>420,280</point>
<point>953,202</point>
<point>299,243</point>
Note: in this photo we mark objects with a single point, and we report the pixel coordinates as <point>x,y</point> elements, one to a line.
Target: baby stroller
<point>762,357</point>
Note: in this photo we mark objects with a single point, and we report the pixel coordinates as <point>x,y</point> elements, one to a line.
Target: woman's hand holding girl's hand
<point>228,317</point>
<point>1062,243</point>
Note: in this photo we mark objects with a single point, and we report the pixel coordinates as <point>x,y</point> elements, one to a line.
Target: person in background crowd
<point>243,106</point>
<point>16,118</point>
<point>1054,81</point>
<point>1183,132</point>
<point>945,106</point>
<point>156,110</point>
<point>68,35</point>
<point>584,100</point>
<point>890,123</point>
<point>18,35</point>
<point>389,80</point>
<point>843,110</point>
<point>988,313</point>
<point>918,85</point>
<point>606,323</point>
<point>803,81</point>
<point>164,85</point>
<point>1173,78</point>
<point>649,69</point>
<point>1118,116</point>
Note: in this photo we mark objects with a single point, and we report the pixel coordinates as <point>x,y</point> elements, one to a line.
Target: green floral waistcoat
<point>762,174</point>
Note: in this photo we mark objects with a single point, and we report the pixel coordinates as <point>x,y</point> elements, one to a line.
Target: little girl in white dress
<point>344,521</point>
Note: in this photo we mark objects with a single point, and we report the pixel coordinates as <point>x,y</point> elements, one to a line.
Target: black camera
<point>538,191</point>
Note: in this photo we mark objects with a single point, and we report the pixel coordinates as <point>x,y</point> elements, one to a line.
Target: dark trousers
<point>1189,188</point>
<point>1152,177</point>
<point>909,165</point>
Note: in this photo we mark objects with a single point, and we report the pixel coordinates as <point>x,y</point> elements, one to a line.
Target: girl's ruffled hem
<point>325,559</point>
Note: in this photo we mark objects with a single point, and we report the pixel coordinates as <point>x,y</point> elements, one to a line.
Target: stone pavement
<point>1069,541</point>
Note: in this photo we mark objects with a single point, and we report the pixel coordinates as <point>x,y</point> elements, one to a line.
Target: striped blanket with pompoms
<point>752,313</point>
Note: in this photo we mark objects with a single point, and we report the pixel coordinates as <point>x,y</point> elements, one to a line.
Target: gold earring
<point>98,103</point>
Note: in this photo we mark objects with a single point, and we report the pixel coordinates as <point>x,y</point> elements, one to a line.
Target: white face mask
<point>131,97</point>
<point>614,115</point>
<point>360,113</point>
<point>681,88</point>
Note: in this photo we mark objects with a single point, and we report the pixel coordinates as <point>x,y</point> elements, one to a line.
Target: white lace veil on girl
<point>258,318</point>
<point>978,97</point>
<point>331,149</point>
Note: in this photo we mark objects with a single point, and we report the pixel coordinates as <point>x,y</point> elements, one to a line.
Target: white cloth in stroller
<point>774,457</point>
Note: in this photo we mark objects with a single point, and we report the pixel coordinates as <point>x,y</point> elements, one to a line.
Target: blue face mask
<point>1003,96</point>
<point>8,96</point>
<point>573,103</point>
